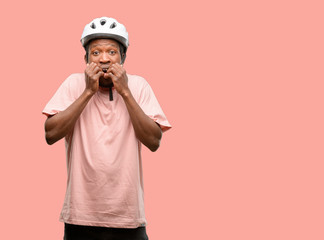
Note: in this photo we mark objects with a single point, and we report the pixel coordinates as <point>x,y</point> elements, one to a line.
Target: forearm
<point>62,123</point>
<point>146,130</point>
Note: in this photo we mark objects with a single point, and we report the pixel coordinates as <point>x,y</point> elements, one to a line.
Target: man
<point>105,115</point>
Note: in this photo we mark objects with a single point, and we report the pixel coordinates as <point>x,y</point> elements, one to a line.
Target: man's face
<point>104,52</point>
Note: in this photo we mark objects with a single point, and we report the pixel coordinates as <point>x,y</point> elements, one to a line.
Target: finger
<point>116,70</point>
<point>92,66</point>
<point>88,68</point>
<point>106,75</point>
<point>118,66</point>
<point>97,69</point>
<point>99,74</point>
<point>89,65</point>
<point>121,68</point>
<point>112,76</point>
<point>110,70</point>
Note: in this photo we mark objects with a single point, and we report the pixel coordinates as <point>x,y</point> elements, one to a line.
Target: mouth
<point>104,68</point>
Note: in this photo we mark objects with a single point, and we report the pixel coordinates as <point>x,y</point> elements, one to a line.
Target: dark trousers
<point>77,232</point>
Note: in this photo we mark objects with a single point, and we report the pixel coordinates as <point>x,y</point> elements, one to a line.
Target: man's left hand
<point>119,77</point>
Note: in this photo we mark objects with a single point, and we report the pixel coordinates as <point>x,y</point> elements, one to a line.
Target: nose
<point>105,58</point>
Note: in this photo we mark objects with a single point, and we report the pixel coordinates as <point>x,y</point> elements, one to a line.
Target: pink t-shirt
<point>104,165</point>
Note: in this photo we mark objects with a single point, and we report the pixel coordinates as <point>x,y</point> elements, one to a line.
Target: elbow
<point>49,142</point>
<point>50,132</point>
<point>154,148</point>
<point>155,141</point>
<point>154,145</point>
<point>50,137</point>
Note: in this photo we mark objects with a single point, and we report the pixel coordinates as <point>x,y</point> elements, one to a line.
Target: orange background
<point>240,81</point>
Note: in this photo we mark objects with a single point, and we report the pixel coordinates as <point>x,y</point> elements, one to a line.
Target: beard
<point>105,82</point>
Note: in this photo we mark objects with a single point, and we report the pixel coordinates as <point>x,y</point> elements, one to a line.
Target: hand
<point>92,74</point>
<point>119,77</point>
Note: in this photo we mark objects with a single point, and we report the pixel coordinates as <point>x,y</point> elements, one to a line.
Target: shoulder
<point>75,80</point>
<point>138,86</point>
<point>74,84</point>
<point>136,82</point>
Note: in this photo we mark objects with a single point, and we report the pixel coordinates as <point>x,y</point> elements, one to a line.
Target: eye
<point>112,52</point>
<point>95,53</point>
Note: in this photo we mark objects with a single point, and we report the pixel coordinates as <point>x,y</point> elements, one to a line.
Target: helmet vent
<point>102,22</point>
<point>113,25</point>
<point>93,26</point>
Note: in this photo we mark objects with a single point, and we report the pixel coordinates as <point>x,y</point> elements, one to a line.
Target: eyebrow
<point>111,44</point>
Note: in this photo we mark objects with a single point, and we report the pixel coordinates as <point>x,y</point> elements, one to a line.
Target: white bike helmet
<point>105,27</point>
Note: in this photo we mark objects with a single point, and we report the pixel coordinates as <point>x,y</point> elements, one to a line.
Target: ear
<point>122,57</point>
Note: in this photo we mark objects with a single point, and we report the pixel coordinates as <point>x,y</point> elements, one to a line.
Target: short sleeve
<point>151,107</point>
<point>63,98</point>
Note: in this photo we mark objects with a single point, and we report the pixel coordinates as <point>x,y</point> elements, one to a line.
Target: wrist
<point>126,93</point>
<point>88,93</point>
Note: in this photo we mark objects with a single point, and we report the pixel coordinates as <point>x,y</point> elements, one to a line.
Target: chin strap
<point>111,97</point>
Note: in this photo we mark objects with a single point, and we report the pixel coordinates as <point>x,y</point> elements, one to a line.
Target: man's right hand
<point>92,74</point>
<point>62,123</point>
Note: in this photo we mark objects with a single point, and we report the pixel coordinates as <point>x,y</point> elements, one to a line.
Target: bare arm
<point>146,130</point>
<point>59,125</point>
